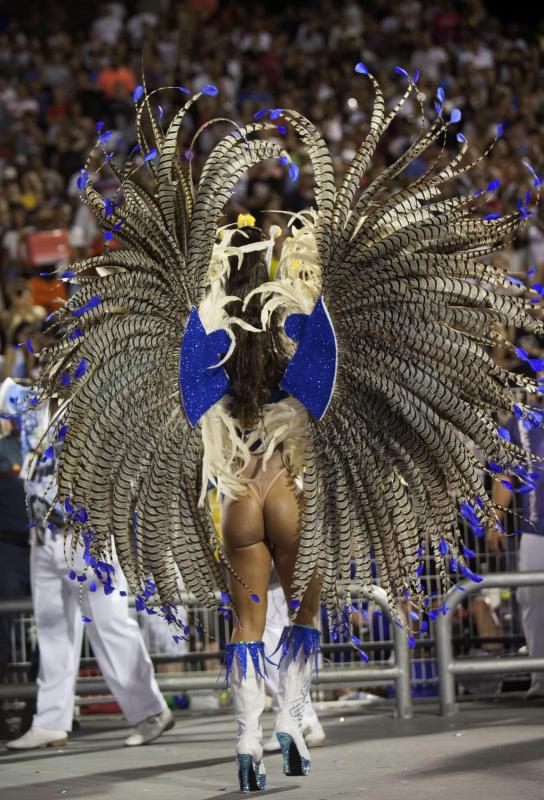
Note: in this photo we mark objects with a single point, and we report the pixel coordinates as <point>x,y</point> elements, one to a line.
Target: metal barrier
<point>449,667</point>
<point>503,631</point>
<point>397,673</point>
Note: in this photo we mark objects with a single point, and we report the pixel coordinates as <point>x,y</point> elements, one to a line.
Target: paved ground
<point>490,751</point>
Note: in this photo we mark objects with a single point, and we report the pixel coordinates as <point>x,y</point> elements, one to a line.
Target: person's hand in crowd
<point>496,541</point>
<point>8,362</point>
<point>19,295</point>
<point>501,497</point>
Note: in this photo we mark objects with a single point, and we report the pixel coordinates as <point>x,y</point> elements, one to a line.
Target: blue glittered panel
<point>201,383</point>
<point>296,638</point>
<point>256,651</point>
<point>239,651</point>
<point>311,374</point>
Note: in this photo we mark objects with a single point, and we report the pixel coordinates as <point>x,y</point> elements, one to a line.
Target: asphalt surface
<point>490,751</point>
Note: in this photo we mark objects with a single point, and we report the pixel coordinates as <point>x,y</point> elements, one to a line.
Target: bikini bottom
<point>261,480</point>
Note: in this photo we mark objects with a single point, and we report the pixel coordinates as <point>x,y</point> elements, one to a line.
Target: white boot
<point>38,737</point>
<point>299,645</point>
<point>245,677</point>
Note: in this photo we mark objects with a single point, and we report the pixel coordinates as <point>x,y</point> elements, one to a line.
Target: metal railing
<point>449,667</point>
<point>397,672</point>
<point>473,631</point>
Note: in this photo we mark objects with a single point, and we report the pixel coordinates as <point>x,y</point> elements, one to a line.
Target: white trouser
<point>157,633</point>
<point>115,638</point>
<point>277,617</point>
<point>531,598</point>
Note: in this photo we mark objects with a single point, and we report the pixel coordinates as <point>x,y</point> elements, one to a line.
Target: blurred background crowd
<point>64,67</point>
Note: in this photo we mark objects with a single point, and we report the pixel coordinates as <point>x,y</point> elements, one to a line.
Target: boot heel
<point>251,774</point>
<point>293,762</point>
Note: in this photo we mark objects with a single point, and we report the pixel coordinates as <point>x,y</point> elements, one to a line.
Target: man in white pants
<point>115,639</point>
<point>62,603</point>
<point>531,548</point>
<point>277,617</point>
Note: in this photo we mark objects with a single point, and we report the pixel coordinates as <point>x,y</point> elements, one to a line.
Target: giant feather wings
<point>403,270</point>
<point>401,273</point>
<point>130,460</point>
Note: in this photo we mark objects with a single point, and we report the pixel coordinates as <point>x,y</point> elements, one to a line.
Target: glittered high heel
<point>245,676</point>
<point>251,774</point>
<point>299,646</point>
<point>293,762</point>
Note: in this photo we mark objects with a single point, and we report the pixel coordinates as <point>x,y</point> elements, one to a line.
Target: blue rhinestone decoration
<point>240,651</point>
<point>294,637</point>
<point>201,383</point>
<point>311,374</point>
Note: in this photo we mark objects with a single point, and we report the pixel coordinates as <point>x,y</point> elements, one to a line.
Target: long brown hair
<point>258,360</point>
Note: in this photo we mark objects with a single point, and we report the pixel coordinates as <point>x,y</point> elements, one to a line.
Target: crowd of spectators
<point>65,66</point>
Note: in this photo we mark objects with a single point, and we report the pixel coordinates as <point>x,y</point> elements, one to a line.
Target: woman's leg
<point>300,641</point>
<point>249,554</point>
<point>282,525</point>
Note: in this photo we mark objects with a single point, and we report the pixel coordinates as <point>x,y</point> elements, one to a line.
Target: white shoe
<point>38,737</point>
<point>364,698</point>
<point>535,690</point>
<point>313,733</point>
<point>368,699</point>
<point>149,729</point>
<point>272,745</point>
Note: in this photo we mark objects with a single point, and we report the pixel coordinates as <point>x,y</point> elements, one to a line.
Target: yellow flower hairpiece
<point>245,221</point>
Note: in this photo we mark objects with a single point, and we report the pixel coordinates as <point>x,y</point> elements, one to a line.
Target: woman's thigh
<point>242,522</point>
<point>282,513</point>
